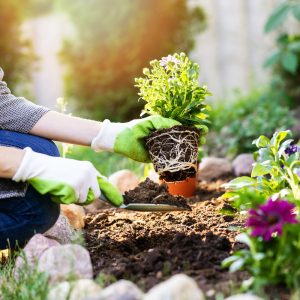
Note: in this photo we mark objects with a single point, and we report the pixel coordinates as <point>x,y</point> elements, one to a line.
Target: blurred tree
<point>16,53</point>
<point>114,41</point>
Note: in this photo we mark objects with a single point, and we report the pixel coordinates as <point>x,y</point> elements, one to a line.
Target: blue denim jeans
<point>22,217</point>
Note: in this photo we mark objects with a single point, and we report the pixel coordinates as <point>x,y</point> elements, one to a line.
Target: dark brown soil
<point>161,144</point>
<point>148,248</point>
<point>151,192</point>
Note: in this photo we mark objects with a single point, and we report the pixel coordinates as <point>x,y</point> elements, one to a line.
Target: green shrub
<point>234,125</point>
<point>114,41</point>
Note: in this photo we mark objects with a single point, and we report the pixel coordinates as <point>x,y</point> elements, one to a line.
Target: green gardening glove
<point>66,180</point>
<point>128,138</point>
<point>110,192</point>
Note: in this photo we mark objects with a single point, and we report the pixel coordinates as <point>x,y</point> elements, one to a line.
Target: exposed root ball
<point>174,152</point>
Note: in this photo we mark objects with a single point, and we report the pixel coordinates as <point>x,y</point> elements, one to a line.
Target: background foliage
<point>16,54</point>
<point>235,124</point>
<point>114,43</point>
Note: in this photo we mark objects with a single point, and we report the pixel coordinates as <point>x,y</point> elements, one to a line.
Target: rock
<point>75,215</point>
<point>74,290</point>
<point>242,164</point>
<point>33,250</point>
<point>212,168</point>
<point>60,291</point>
<point>65,262</point>
<point>124,180</point>
<point>62,231</point>
<point>244,297</point>
<point>95,206</point>
<point>152,175</point>
<point>84,288</point>
<point>178,287</point>
<point>121,290</point>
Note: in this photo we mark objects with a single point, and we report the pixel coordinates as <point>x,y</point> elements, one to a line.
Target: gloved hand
<point>128,138</point>
<point>67,180</point>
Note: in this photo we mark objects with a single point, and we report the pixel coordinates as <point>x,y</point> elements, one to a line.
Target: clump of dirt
<point>151,192</point>
<point>148,248</point>
<point>174,152</point>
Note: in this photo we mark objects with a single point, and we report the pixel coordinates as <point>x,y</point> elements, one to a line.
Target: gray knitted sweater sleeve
<point>17,113</point>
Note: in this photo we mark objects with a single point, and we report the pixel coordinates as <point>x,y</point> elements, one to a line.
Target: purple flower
<point>291,149</point>
<point>165,60</point>
<point>269,218</point>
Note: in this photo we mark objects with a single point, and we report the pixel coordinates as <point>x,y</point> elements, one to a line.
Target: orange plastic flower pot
<point>185,188</point>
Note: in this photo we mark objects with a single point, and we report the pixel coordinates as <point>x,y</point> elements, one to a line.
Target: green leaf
<point>261,142</point>
<point>260,169</point>
<point>277,17</point>
<point>244,238</point>
<point>239,182</point>
<point>289,62</point>
<point>272,59</point>
<point>237,265</point>
<point>278,137</point>
<point>294,46</point>
<point>296,11</point>
<point>229,260</point>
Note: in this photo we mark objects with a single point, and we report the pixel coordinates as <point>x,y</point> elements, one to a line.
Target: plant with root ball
<point>171,89</point>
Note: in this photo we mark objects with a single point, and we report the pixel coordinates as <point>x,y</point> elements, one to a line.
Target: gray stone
<point>121,290</point>
<point>212,168</point>
<point>62,231</point>
<point>84,288</point>
<point>124,180</point>
<point>74,290</point>
<point>242,164</point>
<point>96,206</point>
<point>66,262</point>
<point>244,297</point>
<point>178,287</point>
<point>60,291</point>
<point>33,250</point>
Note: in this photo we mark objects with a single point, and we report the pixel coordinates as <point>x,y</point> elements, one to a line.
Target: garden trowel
<point>146,206</point>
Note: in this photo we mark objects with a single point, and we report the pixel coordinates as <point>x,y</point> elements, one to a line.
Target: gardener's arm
<point>10,160</point>
<point>60,127</point>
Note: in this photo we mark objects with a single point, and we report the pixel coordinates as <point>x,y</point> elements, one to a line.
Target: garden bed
<point>148,248</point>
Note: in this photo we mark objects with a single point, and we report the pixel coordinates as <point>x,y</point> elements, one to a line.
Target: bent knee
<point>23,140</point>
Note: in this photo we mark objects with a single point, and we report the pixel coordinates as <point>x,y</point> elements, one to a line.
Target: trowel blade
<point>151,207</point>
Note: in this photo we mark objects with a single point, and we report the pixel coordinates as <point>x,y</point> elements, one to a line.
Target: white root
<point>182,144</point>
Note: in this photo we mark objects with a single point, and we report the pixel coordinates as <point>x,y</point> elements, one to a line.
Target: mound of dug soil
<point>151,192</point>
<point>147,248</point>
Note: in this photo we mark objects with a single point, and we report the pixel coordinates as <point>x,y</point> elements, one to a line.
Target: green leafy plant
<point>273,244</point>
<point>171,89</point>
<point>274,172</point>
<point>271,195</point>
